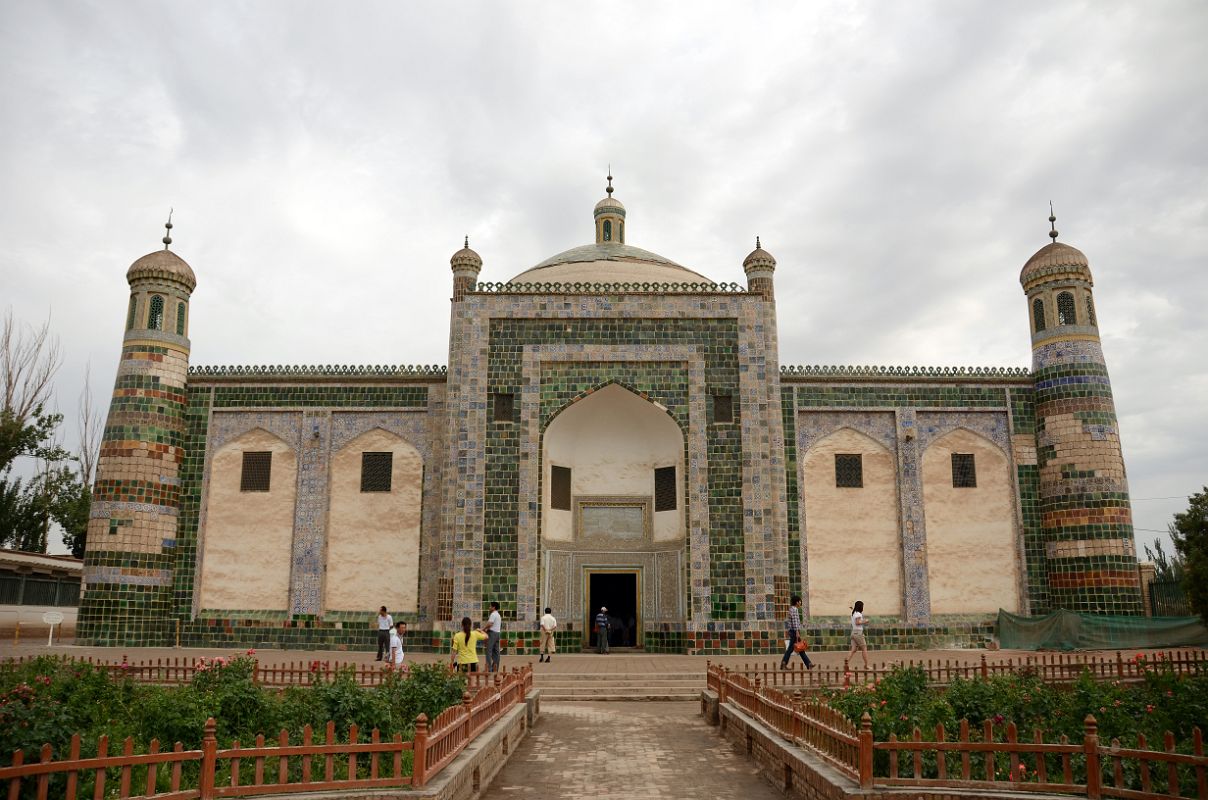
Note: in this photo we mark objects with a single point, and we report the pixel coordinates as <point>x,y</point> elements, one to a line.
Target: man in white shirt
<point>494,630</point>
<point>385,626</point>
<point>396,645</point>
<point>548,624</point>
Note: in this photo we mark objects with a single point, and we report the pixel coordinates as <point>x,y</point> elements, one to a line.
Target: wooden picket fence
<point>993,760</point>
<point>180,671</point>
<point>1049,667</point>
<point>272,767</point>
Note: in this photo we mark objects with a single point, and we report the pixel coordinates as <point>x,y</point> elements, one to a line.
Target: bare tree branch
<point>90,428</point>
<point>29,359</point>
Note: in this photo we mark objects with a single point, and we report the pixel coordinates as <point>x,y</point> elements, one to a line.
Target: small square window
<point>664,489</point>
<point>376,469</point>
<point>849,471</point>
<point>723,408</point>
<point>560,488</point>
<point>257,472</point>
<point>964,471</point>
<point>503,406</point>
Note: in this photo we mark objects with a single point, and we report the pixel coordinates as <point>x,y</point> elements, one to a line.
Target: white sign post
<point>52,618</point>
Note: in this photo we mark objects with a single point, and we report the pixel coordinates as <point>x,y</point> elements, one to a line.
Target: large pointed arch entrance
<point>613,515</point>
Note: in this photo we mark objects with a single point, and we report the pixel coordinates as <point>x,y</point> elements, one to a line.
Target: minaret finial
<point>1052,223</point>
<point>467,241</point>
<point>168,230</point>
<point>609,189</point>
<point>757,244</point>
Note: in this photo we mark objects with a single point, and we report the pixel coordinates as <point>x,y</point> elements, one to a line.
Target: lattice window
<point>155,316</point>
<point>849,471</point>
<point>1090,311</point>
<point>130,314</point>
<point>559,488</point>
<point>376,469</point>
<point>964,471</point>
<point>503,406</point>
<point>1065,309</point>
<point>664,489</point>
<point>608,230</point>
<point>180,319</point>
<point>1038,314</point>
<point>723,408</point>
<point>621,232</point>
<point>257,471</point>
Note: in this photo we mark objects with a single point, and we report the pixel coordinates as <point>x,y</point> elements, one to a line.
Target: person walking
<point>548,625</point>
<point>858,642</point>
<point>792,635</point>
<point>465,647</point>
<point>385,624</point>
<point>494,630</point>
<point>396,645</point>
<point>602,631</point>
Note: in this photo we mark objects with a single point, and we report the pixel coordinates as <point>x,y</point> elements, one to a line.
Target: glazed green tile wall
<point>321,395</point>
<point>197,418</point>
<point>813,395</point>
<point>716,342</point>
<point>788,408</point>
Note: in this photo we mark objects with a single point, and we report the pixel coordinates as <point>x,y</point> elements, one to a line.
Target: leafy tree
<point>1167,567</point>
<point>1190,534</point>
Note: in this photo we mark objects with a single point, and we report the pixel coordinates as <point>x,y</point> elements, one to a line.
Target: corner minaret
<point>128,563</point>
<point>610,218</point>
<point>760,266</point>
<point>466,265</point>
<point>1086,517</point>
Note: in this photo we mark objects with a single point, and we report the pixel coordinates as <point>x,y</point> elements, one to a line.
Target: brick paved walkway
<point>627,750</point>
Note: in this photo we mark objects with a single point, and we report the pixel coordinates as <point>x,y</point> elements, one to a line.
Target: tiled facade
<point>677,344</point>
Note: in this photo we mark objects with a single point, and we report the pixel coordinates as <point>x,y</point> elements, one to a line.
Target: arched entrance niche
<point>970,516</point>
<point>853,548</point>
<point>613,516</point>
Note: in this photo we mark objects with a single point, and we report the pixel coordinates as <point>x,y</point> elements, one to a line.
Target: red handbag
<point>800,646</point>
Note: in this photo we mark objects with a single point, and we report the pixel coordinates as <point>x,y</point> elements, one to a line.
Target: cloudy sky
<point>325,160</point>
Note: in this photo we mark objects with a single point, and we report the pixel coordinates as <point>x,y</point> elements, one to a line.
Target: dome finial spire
<point>1052,223</point>
<point>467,244</point>
<point>757,244</point>
<point>168,230</point>
<point>609,189</point>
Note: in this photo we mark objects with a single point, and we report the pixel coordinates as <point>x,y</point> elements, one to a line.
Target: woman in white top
<point>858,622</point>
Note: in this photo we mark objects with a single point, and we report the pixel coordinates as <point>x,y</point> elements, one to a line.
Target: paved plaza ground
<point>627,750</point>
<point>619,661</point>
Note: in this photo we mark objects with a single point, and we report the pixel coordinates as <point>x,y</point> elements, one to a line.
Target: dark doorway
<point>618,592</point>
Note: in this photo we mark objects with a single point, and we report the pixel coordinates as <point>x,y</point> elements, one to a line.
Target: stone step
<point>598,677</point>
<point>653,695</point>
<point>618,685</point>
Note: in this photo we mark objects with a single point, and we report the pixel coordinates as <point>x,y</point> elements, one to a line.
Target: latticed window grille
<point>964,471</point>
<point>1065,309</point>
<point>723,408</point>
<point>257,472</point>
<point>503,406</point>
<point>559,486</point>
<point>664,489</point>
<point>155,316</point>
<point>180,319</point>
<point>1090,311</point>
<point>607,230</point>
<point>1038,314</point>
<point>376,469</point>
<point>849,470</point>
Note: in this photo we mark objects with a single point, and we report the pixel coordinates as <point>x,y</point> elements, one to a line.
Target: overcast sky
<point>325,160</point>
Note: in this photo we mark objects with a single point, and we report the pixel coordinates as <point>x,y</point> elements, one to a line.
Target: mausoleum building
<point>612,428</point>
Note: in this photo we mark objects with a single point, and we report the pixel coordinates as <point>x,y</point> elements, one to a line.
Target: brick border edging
<point>799,773</point>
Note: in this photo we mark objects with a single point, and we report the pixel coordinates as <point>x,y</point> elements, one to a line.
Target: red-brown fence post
<point>985,671</point>
<point>419,752</point>
<point>255,672</point>
<point>865,751</point>
<point>721,685</point>
<point>209,761</point>
<point>1119,665</point>
<point>1090,746</point>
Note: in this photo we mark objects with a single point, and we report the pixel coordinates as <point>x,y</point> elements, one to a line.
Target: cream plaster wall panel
<point>248,535</point>
<point>1024,447</point>
<point>971,537</point>
<point>612,440</point>
<point>373,537</point>
<point>853,546</point>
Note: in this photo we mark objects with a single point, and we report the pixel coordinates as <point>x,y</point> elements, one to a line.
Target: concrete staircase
<point>600,686</point>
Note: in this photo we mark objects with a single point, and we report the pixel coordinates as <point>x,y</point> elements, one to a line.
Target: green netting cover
<point>1069,630</point>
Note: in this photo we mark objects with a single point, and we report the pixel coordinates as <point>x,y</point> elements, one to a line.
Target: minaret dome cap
<point>758,257</point>
<point>1055,258</point>
<point>165,265</point>
<point>465,257</point>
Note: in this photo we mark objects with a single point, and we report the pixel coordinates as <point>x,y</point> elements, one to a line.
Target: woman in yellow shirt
<point>465,647</point>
